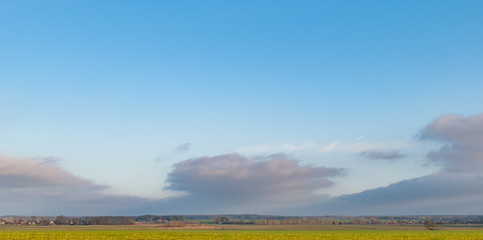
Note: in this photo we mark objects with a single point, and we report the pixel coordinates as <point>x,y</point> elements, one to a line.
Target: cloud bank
<point>236,180</point>
<point>463,138</point>
<point>39,186</point>
<point>28,173</point>
<point>230,183</point>
<point>275,184</point>
<point>456,189</point>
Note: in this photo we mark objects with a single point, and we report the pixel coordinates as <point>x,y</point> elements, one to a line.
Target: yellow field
<point>133,233</point>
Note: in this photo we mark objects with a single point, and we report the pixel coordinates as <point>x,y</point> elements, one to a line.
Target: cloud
<point>286,148</point>
<point>463,142</point>
<point>236,179</point>
<point>22,173</point>
<point>274,184</point>
<point>389,155</point>
<point>455,189</point>
<point>38,186</point>
<point>351,146</point>
<point>330,147</point>
<point>439,193</point>
<point>229,183</point>
<point>183,148</point>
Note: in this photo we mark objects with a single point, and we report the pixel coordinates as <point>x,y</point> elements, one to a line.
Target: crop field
<point>133,233</point>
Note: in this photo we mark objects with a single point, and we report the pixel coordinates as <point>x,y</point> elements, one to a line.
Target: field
<point>242,232</point>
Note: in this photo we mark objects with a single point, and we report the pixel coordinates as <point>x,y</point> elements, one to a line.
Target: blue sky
<point>105,91</point>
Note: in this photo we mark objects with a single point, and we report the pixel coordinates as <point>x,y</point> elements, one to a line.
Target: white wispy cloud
<point>330,147</point>
<point>351,146</point>
<point>273,148</point>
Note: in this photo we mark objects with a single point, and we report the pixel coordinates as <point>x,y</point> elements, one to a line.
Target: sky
<point>265,107</point>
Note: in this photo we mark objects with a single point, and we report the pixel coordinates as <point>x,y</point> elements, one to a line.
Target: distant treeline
<point>179,220</point>
<point>104,220</point>
<point>235,217</point>
<point>157,218</point>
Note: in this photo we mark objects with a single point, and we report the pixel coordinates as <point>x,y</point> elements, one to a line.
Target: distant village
<point>62,220</point>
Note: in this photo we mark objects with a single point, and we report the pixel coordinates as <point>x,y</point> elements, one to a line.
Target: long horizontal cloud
<point>389,155</point>
<point>456,189</point>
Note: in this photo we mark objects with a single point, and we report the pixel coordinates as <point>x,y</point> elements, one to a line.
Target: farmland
<point>241,232</point>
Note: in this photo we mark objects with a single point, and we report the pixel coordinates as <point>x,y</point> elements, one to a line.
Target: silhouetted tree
<point>430,225</point>
<point>60,220</point>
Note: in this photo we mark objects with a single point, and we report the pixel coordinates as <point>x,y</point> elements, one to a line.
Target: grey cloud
<point>38,186</point>
<point>275,184</point>
<point>463,142</point>
<point>456,189</point>
<point>183,148</point>
<point>455,129</point>
<point>48,160</point>
<point>238,179</point>
<point>440,185</point>
<point>21,172</point>
<point>389,155</point>
<point>71,201</point>
<point>440,193</point>
<point>221,184</point>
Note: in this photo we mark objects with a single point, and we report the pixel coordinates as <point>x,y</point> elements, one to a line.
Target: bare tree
<point>430,225</point>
